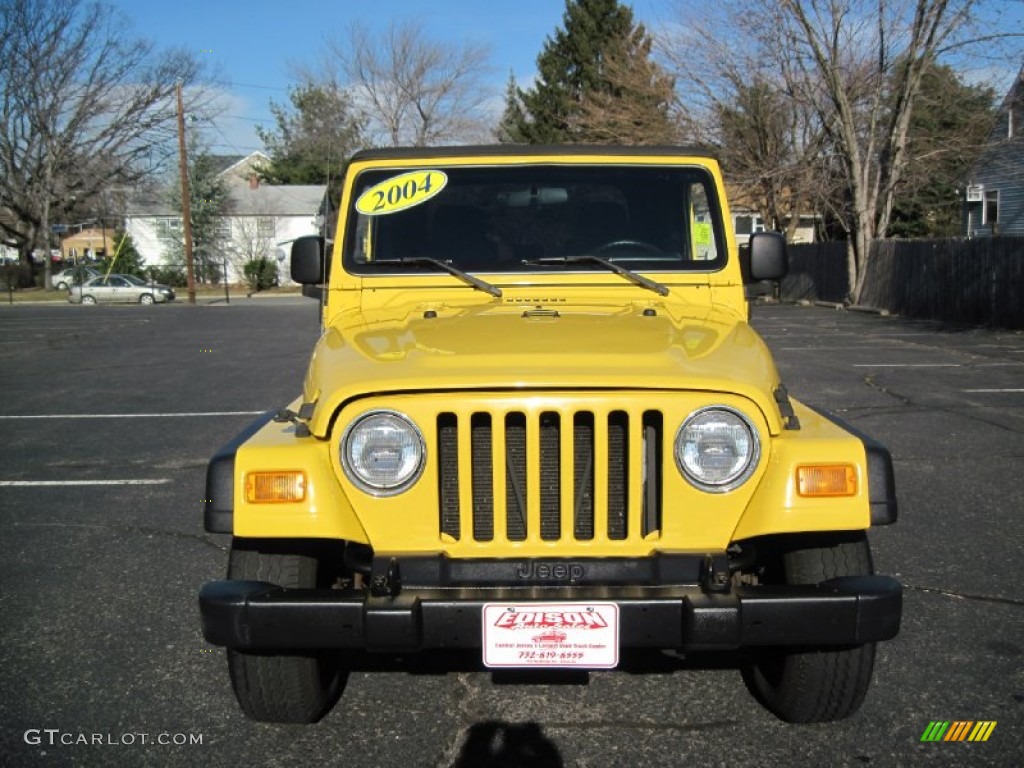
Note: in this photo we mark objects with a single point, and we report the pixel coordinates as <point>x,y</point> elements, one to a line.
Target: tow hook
<point>712,580</point>
<point>388,584</point>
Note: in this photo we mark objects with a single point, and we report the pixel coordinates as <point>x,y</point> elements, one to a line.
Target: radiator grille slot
<point>550,475</point>
<point>448,473</point>
<point>483,491</point>
<point>583,476</point>
<point>515,476</point>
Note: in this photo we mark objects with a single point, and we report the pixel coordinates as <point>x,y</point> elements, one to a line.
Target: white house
<point>260,220</point>
<point>747,221</point>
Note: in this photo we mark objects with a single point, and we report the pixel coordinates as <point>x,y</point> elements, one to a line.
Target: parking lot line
<point>64,483</point>
<point>995,390</point>
<point>130,415</point>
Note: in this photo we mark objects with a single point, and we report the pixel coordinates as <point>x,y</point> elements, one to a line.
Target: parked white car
<point>73,276</point>
<point>119,289</point>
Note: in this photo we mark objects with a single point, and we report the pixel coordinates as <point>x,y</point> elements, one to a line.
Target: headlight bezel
<point>735,478</point>
<point>360,481</point>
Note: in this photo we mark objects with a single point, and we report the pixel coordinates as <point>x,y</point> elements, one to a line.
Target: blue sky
<point>250,43</point>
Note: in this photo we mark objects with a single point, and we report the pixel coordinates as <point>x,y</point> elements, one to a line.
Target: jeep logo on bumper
<point>550,571</point>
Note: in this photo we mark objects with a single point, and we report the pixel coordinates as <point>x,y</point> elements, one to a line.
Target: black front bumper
<point>254,615</point>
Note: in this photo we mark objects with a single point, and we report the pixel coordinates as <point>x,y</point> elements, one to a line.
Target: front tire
<point>814,685</point>
<point>146,298</point>
<point>284,687</point>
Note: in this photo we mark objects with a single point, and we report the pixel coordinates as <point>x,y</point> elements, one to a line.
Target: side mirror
<point>307,264</point>
<point>768,260</point>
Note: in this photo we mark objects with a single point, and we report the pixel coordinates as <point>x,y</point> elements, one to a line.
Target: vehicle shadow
<point>498,744</point>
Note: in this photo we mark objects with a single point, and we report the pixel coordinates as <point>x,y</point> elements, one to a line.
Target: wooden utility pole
<point>186,205</point>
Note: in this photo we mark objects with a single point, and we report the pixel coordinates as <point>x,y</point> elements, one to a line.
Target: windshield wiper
<point>447,267</point>
<point>633,277</point>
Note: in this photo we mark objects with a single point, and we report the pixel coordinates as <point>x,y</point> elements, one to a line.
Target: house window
<point>991,211</point>
<point>223,228</point>
<point>170,224</point>
<point>266,227</point>
<point>746,225</point>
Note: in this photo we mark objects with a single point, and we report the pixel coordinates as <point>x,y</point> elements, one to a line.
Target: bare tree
<point>857,66</point>
<point>252,241</point>
<point>733,100</point>
<point>411,90</point>
<point>860,65</point>
<point>83,107</point>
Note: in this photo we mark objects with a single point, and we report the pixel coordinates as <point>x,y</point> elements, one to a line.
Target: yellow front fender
<point>778,506</point>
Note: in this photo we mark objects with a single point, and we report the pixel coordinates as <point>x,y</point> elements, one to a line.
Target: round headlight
<point>717,449</point>
<point>382,452</point>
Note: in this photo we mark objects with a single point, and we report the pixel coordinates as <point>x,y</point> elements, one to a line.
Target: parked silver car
<point>119,289</point>
<point>73,276</point>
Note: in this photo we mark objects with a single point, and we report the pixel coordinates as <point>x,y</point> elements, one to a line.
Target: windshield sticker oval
<point>401,192</point>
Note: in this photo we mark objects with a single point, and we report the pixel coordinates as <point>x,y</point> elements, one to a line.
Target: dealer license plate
<point>551,635</point>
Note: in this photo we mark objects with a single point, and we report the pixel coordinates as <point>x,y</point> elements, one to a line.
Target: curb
<point>840,306</point>
<point>869,310</point>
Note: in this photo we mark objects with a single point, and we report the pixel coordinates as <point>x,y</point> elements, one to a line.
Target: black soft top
<point>527,150</point>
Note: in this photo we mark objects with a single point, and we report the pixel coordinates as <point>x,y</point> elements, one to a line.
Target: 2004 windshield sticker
<point>401,192</point>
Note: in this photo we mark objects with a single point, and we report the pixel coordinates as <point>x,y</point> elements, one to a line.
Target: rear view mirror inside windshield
<point>534,196</point>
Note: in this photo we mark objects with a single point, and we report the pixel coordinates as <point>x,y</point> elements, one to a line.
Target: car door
<point>120,290</point>
<point>98,288</point>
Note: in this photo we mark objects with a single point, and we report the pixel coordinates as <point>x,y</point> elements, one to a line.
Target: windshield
<point>527,218</point>
<point>134,280</point>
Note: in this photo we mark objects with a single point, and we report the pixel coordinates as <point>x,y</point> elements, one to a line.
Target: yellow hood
<point>512,347</point>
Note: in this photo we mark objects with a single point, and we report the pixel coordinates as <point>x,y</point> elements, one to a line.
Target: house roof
<point>1015,96</point>
<point>236,169</point>
<point>264,200</point>
<point>222,163</point>
<point>279,200</point>
<point>1003,156</point>
<point>243,198</point>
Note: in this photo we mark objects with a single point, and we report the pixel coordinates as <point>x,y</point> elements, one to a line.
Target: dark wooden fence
<point>817,272</point>
<point>978,281</point>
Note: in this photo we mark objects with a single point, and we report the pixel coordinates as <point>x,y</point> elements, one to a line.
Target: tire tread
<point>816,684</point>
<point>282,687</point>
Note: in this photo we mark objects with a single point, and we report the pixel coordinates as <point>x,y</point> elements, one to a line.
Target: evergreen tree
<point>311,142</point>
<point>633,105</point>
<point>125,259</point>
<point>572,66</point>
<point>509,127</point>
<point>209,203</point>
<point>948,129</point>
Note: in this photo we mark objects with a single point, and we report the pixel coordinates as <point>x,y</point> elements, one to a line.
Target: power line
<point>234,84</point>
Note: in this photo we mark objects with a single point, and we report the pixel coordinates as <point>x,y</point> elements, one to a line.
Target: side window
<point>703,240</point>
<point>363,251</point>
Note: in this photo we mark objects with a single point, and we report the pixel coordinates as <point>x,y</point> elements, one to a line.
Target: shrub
<point>171,275</point>
<point>261,274</point>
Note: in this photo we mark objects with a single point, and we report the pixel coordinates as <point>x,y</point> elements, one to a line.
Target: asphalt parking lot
<point>109,415</point>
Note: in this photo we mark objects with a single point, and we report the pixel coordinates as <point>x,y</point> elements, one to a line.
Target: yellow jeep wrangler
<point>539,428</point>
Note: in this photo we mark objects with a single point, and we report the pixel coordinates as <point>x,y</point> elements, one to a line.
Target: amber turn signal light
<point>826,480</point>
<point>275,487</point>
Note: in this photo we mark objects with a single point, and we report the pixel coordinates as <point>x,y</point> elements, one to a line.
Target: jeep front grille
<point>520,475</point>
